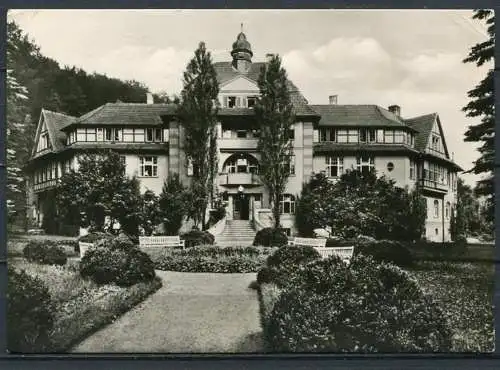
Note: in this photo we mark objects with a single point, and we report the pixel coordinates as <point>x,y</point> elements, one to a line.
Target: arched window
<point>447,210</point>
<point>241,164</point>
<point>436,208</point>
<point>287,204</point>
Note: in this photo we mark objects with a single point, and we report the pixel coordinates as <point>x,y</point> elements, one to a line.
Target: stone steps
<point>236,233</point>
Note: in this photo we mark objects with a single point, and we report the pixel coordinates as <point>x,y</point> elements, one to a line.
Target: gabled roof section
<point>226,73</point>
<point>54,122</point>
<point>423,125</point>
<point>357,116</point>
<point>132,114</point>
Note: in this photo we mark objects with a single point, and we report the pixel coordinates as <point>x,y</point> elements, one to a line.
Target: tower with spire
<point>242,52</point>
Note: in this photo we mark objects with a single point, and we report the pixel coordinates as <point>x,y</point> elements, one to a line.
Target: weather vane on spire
<point>241,27</point>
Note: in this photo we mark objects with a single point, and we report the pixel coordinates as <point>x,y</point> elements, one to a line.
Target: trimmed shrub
<point>29,313</point>
<point>116,261</point>
<point>366,307</point>
<point>93,237</point>
<point>45,253</point>
<point>386,251</point>
<point>268,296</point>
<point>270,237</point>
<point>266,275</point>
<point>232,264</point>
<point>286,261</point>
<point>197,237</point>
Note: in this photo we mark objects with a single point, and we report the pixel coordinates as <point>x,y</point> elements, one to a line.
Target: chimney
<point>395,109</point>
<point>333,99</point>
<point>269,57</point>
<point>149,98</point>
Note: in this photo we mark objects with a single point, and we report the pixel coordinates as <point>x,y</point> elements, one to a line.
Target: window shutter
<point>315,135</point>
<point>225,101</point>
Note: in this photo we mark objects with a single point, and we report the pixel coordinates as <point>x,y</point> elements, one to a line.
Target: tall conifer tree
<point>482,104</point>
<point>198,116</point>
<point>275,117</point>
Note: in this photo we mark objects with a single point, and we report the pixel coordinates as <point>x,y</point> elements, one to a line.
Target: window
<point>380,136</point>
<point>287,204</point>
<point>241,134</point>
<point>291,132</point>
<point>447,210</point>
<point>334,166</point>
<point>81,134</point>
<point>139,135</point>
<point>113,134</point>
<point>100,135</point>
<point>190,169</point>
<point>352,136</point>
<point>257,197</point>
<point>412,170</point>
<point>326,134</point>
<point>251,101</point>
<point>118,134</point>
<point>290,164</point>
<point>367,135</point>
<point>91,134</point>
<point>389,136</point>
<point>165,135</point>
<point>342,136</point>
<point>149,134</point>
<point>231,101</point>
<point>365,164</point>
<point>109,134</point>
<point>436,143</point>
<point>149,166</point>
<point>45,140</point>
<point>390,166</point>
<point>436,208</point>
<point>315,135</point>
<point>158,132</point>
<point>436,231</point>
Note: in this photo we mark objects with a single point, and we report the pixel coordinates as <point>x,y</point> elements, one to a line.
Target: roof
<point>423,125</point>
<point>357,116</point>
<point>226,72</point>
<point>54,122</point>
<point>133,114</point>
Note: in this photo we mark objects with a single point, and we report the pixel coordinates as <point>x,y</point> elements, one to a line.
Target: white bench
<point>160,241</point>
<point>345,253</point>
<point>310,242</point>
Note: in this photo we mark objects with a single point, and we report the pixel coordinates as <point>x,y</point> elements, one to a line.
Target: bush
<point>116,261</point>
<point>270,237</point>
<point>196,237</point>
<point>29,313</point>
<point>266,275</point>
<point>366,307</point>
<point>94,237</point>
<point>231,264</point>
<point>286,261</point>
<point>45,253</point>
<point>386,251</point>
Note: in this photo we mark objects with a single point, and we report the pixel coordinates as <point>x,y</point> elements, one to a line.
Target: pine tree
<point>275,117</point>
<point>482,105</point>
<point>198,115</point>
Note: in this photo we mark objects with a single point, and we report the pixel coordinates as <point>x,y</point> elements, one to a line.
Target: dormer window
<point>251,101</point>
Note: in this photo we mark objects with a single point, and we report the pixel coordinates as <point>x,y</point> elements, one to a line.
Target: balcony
<point>433,186</point>
<point>239,178</point>
<point>44,185</point>
<point>237,144</point>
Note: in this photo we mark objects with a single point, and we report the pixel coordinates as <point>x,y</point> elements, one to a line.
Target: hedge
<point>44,252</point>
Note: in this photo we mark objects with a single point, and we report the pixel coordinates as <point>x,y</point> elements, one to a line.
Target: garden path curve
<point>192,312</point>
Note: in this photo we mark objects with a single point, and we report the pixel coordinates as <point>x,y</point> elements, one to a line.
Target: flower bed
<point>79,305</point>
<point>211,259</point>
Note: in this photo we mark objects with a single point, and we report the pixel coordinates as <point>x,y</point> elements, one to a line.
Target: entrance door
<point>241,207</point>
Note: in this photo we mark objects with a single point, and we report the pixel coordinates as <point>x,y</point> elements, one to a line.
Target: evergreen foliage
<point>274,115</point>
<point>482,104</point>
<point>172,204</point>
<point>198,115</point>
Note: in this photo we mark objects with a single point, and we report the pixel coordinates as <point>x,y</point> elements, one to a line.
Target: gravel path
<point>192,312</point>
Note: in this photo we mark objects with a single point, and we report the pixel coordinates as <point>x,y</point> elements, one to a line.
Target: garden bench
<point>160,241</point>
<point>310,242</point>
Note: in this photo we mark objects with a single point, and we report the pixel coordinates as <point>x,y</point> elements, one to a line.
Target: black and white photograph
<point>250,181</point>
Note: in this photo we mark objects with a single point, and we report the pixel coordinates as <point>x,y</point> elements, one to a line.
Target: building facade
<point>331,138</point>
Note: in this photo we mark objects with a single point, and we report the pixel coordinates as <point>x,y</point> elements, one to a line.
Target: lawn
<point>465,292</point>
<point>82,307</point>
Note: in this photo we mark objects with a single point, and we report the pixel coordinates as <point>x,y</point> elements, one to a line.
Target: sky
<point>412,58</point>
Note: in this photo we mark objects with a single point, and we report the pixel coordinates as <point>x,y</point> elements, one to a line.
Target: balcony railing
<point>45,185</point>
<point>238,143</point>
<point>433,185</point>
<point>241,178</point>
